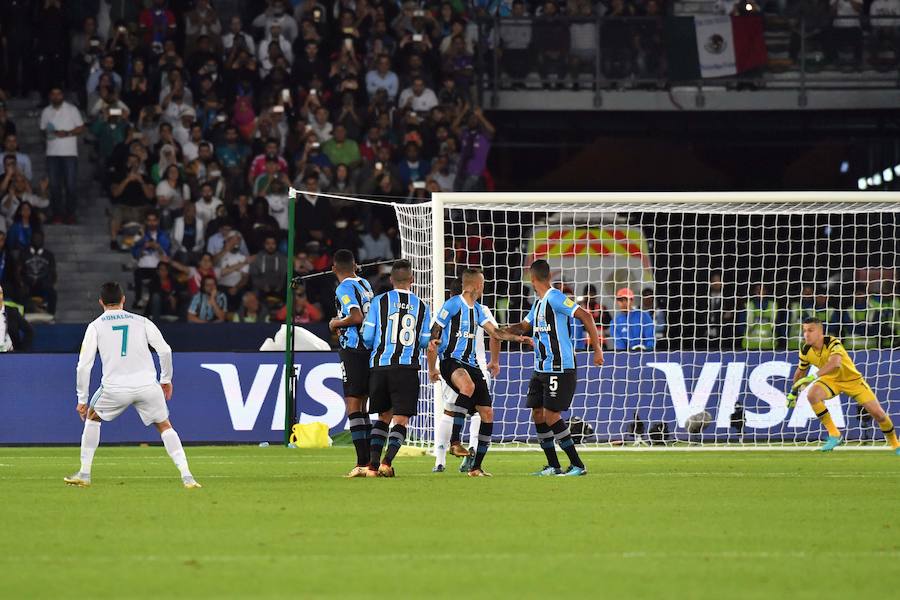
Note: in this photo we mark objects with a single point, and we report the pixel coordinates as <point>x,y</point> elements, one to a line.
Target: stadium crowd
<point>202,115</point>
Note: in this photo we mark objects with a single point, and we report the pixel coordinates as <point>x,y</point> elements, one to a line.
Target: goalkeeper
<point>836,375</point>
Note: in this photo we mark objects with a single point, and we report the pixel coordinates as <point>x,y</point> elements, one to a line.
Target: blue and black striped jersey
<point>396,329</point>
<point>460,323</point>
<point>353,292</point>
<point>551,326</point>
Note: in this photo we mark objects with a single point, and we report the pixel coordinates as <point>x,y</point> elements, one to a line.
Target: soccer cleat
<point>574,471</point>
<point>468,462</point>
<point>78,479</point>
<point>458,450</point>
<point>357,472</point>
<point>897,451</point>
<point>190,483</point>
<point>548,471</point>
<point>479,473</point>
<point>370,472</point>
<point>438,469</point>
<point>385,470</point>
<point>831,443</point>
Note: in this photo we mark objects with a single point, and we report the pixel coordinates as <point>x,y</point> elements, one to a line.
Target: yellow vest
<point>760,331</point>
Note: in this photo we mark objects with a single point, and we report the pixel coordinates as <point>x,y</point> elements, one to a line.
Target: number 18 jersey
<point>396,329</point>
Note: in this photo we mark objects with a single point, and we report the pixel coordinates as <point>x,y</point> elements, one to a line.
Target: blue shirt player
<point>396,332</point>
<point>454,339</point>
<point>552,385</point>
<point>351,299</point>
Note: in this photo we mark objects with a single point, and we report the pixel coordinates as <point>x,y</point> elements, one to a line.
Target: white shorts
<point>449,395</point>
<point>149,401</point>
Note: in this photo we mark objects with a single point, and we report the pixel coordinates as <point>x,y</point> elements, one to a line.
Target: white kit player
<point>129,379</point>
<point>444,426</point>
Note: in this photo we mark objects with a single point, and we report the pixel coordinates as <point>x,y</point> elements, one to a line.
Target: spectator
<point>165,293</point>
<point>107,69</point>
<point>319,124</point>
<point>515,42</point>
<point>268,271</point>
<point>131,196</point>
<point>885,19</point>
<point>309,64</point>
<point>265,225</point>
<point>276,14</point>
<point>846,30</point>
<point>657,313</point>
<point>305,312</point>
<point>196,274</point>
<point>551,44</point>
<point>188,234</point>
<point>207,205</point>
<point>39,272</point>
<point>25,223</point>
<point>10,271</point>
<point>171,192</point>
<point>258,166</point>
<point>11,147</point>
<point>157,25</point>
<point>15,332</point>
<point>17,192</point>
<point>632,328</point>
<point>417,98</point>
<point>342,150</point>
<point>202,21</point>
<point>251,310</point>
<point>233,268</point>
<point>153,245</point>
<point>760,323</point>
<point>62,124</point>
<point>383,78</point>
<point>208,305</point>
<point>315,217</point>
<point>375,245</point>
<point>237,38</point>
<point>475,140</point>
<point>583,38</point>
<point>109,131</point>
<point>272,175</point>
<point>715,317</point>
<point>7,126</point>
<point>413,168</point>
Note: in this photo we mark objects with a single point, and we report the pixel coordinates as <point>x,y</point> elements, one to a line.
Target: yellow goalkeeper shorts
<point>857,389</point>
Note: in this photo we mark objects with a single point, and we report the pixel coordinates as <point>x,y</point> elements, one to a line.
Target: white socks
<point>173,446</point>
<point>474,426</point>
<point>90,439</point>
<point>442,430</point>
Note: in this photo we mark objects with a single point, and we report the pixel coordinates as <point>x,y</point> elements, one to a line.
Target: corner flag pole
<point>290,396</point>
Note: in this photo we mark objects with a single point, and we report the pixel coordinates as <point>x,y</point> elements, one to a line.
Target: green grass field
<point>278,523</point>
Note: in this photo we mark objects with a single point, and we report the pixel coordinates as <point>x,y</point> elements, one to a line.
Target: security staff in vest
<point>760,325</point>
<point>861,323</point>
<point>887,312</point>
<point>810,304</point>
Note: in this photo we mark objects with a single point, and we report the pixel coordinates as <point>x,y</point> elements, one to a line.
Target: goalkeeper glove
<point>799,385</point>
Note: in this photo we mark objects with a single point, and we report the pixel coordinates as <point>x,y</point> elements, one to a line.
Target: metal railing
<point>635,52</point>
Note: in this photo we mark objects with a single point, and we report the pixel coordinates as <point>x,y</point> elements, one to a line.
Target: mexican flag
<point>714,46</point>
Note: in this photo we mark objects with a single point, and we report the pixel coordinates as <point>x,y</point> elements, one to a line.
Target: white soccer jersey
<point>122,339</point>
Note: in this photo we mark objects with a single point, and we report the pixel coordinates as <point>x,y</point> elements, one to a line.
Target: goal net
<point>704,351</point>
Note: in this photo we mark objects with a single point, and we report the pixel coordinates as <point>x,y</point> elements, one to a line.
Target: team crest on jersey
<point>444,314</point>
<point>345,299</point>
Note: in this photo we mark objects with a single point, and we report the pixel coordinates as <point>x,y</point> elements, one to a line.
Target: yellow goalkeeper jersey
<point>810,356</point>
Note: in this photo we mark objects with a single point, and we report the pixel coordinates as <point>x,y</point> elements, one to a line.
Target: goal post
<point>724,276</point>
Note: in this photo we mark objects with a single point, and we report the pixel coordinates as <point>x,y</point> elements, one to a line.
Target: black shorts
<point>553,391</point>
<point>480,397</point>
<point>355,372</point>
<point>395,390</point>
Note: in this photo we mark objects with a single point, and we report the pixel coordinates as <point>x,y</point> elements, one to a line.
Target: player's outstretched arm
<point>354,318</point>
<point>588,321</point>
<point>523,328</point>
<point>164,351</point>
<point>83,371</point>
<point>504,334</point>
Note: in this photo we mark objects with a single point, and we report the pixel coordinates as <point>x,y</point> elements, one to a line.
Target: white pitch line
<point>419,556</point>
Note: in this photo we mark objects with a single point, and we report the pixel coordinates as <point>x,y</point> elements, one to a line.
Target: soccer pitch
<point>279,523</point>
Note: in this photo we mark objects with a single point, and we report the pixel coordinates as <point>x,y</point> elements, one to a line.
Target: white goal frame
<point>641,202</point>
